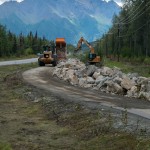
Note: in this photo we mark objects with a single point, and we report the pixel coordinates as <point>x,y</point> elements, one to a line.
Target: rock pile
<point>109,80</point>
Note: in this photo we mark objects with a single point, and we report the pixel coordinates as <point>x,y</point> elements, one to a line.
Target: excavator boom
<point>79,45</point>
<point>92,56</point>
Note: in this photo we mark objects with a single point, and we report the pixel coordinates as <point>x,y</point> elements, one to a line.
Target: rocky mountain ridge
<point>54,18</point>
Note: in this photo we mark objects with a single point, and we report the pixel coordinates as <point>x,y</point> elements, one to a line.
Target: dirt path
<point>42,78</point>
<point>16,62</point>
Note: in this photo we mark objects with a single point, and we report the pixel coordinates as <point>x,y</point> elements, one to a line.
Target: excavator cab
<point>92,56</point>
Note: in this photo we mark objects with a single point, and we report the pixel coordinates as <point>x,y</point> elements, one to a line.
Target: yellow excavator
<point>93,58</point>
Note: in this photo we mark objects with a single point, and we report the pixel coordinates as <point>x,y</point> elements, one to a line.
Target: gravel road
<point>16,62</point>
<point>41,77</point>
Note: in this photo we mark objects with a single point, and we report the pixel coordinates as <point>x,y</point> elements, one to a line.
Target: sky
<point>117,1</point>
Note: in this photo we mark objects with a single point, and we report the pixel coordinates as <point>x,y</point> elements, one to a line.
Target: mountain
<point>59,18</point>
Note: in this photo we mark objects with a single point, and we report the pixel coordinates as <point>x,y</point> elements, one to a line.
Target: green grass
<point>127,67</point>
<point>5,146</point>
<point>9,70</point>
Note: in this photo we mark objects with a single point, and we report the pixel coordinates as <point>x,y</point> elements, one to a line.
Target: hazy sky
<point>2,1</point>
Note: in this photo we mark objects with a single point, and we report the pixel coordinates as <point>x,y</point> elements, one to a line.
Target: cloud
<point>117,1</point>
<point>2,1</point>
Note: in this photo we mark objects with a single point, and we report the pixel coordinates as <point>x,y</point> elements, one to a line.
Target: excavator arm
<point>92,56</point>
<point>79,45</point>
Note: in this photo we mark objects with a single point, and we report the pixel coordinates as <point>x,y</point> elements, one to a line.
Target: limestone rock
<point>99,79</point>
<point>82,82</point>
<point>133,92</point>
<point>96,74</point>
<point>133,75</point>
<point>117,80</point>
<point>114,87</point>
<point>141,80</point>
<point>90,80</point>
<point>90,70</point>
<point>56,72</point>
<point>102,82</point>
<point>127,83</point>
<point>107,71</point>
<point>88,86</point>
<point>145,95</point>
<point>104,79</point>
<point>71,77</point>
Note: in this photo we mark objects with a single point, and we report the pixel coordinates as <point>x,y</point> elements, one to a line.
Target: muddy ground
<point>32,118</point>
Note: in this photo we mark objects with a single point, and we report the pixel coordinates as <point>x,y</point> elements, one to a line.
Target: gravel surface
<point>16,62</point>
<point>135,110</point>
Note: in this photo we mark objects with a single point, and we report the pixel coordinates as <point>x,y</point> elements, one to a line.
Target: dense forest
<point>129,36</point>
<point>11,45</point>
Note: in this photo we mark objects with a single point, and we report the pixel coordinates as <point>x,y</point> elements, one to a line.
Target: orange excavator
<point>93,58</point>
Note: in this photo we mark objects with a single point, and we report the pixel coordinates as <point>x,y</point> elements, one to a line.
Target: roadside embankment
<point>105,79</point>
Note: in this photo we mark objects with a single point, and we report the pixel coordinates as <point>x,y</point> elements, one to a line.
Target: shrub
<point>28,51</point>
<point>147,61</point>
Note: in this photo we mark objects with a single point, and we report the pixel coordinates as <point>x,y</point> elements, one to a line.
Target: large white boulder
<point>117,80</point>
<point>56,72</point>
<point>102,82</point>
<point>82,82</point>
<point>90,70</point>
<point>133,92</point>
<point>96,74</point>
<point>114,87</point>
<point>63,73</point>
<point>133,75</point>
<point>106,71</point>
<point>90,80</point>
<point>127,83</point>
<point>71,77</point>
<point>145,95</point>
<point>142,80</point>
<point>99,79</point>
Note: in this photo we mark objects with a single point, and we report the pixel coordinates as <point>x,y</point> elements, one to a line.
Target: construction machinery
<point>61,48</point>
<point>93,58</point>
<point>53,53</point>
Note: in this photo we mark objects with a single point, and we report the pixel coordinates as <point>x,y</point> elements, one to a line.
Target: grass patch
<point>92,130</point>
<point>32,110</point>
<point>127,67</point>
<point>5,146</point>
